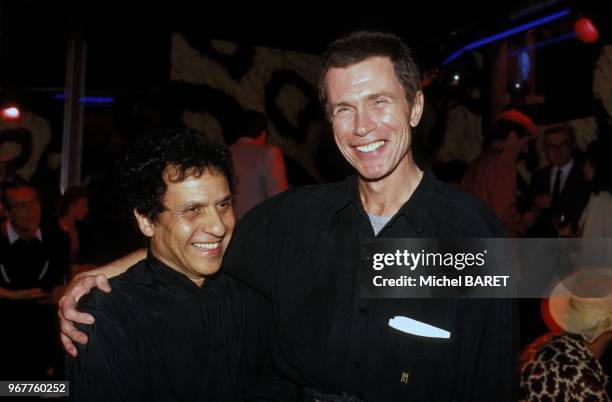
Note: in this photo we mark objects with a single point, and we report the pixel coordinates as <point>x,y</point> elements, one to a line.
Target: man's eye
<point>225,205</point>
<point>342,110</point>
<point>193,210</point>
<point>379,102</point>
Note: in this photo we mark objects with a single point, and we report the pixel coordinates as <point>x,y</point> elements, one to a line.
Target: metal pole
<point>72,136</point>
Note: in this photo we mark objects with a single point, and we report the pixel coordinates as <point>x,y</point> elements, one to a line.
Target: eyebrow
<point>368,97</point>
<point>195,203</point>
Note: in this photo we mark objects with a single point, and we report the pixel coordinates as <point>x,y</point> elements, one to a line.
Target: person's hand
<point>542,201</point>
<point>24,294</point>
<point>78,287</point>
<point>530,217</point>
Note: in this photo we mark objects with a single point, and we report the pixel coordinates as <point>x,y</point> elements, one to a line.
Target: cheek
<point>342,128</point>
<point>229,222</point>
<point>396,120</point>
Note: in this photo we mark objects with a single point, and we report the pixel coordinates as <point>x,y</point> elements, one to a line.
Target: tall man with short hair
<point>303,248</point>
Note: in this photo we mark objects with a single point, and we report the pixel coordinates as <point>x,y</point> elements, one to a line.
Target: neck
<point>67,220</point>
<point>504,145</point>
<point>25,234</point>
<point>385,196</point>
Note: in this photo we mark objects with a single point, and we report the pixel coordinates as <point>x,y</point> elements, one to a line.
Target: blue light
<point>88,99</point>
<point>512,31</point>
<point>544,43</point>
<point>524,65</point>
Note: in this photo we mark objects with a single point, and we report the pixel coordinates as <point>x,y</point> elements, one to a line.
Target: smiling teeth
<point>207,246</point>
<point>370,147</point>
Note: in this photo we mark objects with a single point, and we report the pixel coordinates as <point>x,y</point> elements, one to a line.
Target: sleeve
<point>276,176</point>
<point>269,385</point>
<point>245,258</point>
<point>107,369</point>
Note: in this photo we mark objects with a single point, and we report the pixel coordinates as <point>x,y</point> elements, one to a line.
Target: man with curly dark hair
<point>173,328</point>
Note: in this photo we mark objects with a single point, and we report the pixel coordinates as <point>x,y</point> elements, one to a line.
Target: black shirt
<point>28,335</point>
<point>160,337</point>
<point>34,263</point>
<point>302,248</point>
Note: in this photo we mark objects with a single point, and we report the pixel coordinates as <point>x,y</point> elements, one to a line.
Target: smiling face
<point>192,233</point>
<point>371,118</point>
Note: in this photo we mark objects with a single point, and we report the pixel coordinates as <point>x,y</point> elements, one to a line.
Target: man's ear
<point>416,109</point>
<point>144,223</point>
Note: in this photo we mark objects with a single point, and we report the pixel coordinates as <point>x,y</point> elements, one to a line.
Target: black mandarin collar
<point>415,209</point>
<point>175,280</point>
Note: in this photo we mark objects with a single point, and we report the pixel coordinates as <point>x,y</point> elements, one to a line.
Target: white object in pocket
<point>418,328</point>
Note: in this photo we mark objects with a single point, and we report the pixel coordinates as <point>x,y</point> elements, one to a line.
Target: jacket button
<point>363,311</point>
<point>357,365</point>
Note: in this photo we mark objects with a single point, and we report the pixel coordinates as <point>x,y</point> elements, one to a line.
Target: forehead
<point>21,193</point>
<point>210,186</point>
<point>372,75</point>
<point>558,136</point>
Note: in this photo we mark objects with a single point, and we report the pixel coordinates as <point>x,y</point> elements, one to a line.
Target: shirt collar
<point>565,169</point>
<point>13,236</point>
<point>415,209</point>
<point>171,278</point>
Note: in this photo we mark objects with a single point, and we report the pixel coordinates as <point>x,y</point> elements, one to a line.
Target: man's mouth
<point>373,146</point>
<point>207,246</point>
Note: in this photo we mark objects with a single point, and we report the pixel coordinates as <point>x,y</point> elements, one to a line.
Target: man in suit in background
<point>560,186</point>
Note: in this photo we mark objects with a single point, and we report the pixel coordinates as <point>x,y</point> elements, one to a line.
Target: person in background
<point>596,220</point>
<point>561,184</point>
<point>260,167</point>
<point>492,177</point>
<point>73,208</point>
<point>564,365</point>
<point>34,264</point>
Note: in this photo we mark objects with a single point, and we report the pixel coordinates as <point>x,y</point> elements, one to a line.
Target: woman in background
<point>565,365</point>
<point>73,208</point>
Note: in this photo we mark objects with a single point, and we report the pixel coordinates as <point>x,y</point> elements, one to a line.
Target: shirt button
<point>357,365</point>
<point>363,311</point>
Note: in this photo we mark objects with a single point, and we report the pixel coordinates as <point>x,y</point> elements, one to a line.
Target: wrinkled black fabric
<point>303,248</point>
<point>159,337</point>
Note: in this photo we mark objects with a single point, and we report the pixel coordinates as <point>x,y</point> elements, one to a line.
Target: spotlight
<point>455,78</point>
<point>11,112</point>
<point>517,87</point>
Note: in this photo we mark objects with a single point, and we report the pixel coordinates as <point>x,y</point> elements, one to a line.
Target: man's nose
<point>213,224</point>
<point>364,123</point>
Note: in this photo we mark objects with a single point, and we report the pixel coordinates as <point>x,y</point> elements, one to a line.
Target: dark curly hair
<point>141,171</point>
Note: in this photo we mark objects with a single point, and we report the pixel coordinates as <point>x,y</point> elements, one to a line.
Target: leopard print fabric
<point>559,367</point>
